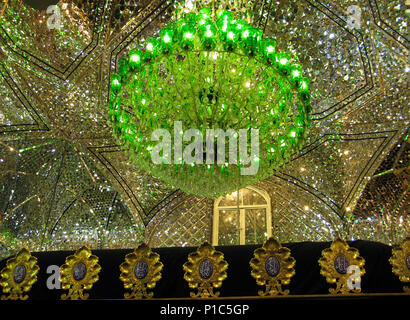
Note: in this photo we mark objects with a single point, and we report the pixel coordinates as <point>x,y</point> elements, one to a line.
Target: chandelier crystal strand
<point>210,73</point>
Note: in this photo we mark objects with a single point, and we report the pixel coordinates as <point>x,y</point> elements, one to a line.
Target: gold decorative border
<point>272,249</point>
<point>205,254</point>
<point>339,248</point>
<point>77,286</point>
<point>140,285</point>
<point>400,261</point>
<point>8,282</point>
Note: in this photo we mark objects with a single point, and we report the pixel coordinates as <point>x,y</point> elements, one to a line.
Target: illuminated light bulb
<point>293,134</point>
<point>135,58</point>
<point>306,208</point>
<point>167,38</point>
<point>295,73</point>
<point>150,46</point>
<point>115,84</point>
<point>303,88</point>
<point>188,35</point>
<point>283,61</point>
<point>209,33</point>
<point>230,35</point>
<point>270,49</point>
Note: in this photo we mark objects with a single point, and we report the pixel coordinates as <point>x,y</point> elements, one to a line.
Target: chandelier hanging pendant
<point>210,72</point>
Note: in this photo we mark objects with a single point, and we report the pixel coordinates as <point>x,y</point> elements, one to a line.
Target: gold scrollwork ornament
<point>79,273</point>
<point>19,275</point>
<point>272,266</point>
<point>335,262</point>
<point>400,261</point>
<point>140,271</point>
<point>205,270</point>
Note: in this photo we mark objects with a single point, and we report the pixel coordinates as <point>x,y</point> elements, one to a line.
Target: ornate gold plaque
<point>205,270</point>
<point>19,275</point>
<point>272,266</point>
<point>79,273</point>
<point>400,261</point>
<point>335,262</point>
<point>140,271</point>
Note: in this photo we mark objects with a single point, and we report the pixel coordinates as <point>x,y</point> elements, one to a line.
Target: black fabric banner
<point>239,283</point>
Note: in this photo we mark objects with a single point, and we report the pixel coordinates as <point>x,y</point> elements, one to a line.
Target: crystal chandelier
<point>210,69</point>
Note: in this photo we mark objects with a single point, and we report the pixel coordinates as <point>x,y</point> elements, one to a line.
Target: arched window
<point>242,217</point>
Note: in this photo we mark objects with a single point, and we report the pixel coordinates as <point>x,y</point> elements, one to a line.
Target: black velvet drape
<point>307,280</point>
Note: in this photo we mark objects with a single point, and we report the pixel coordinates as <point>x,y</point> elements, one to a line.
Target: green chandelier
<point>210,72</point>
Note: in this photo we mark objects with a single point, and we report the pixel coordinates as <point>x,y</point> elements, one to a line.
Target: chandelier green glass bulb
<point>210,72</point>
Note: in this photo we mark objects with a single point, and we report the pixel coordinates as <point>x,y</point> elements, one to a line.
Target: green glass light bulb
<point>187,36</point>
<point>268,49</point>
<point>208,36</point>
<point>224,15</point>
<point>249,40</point>
<point>303,88</point>
<point>166,40</point>
<point>230,38</point>
<point>282,61</point>
<point>151,49</point>
<point>295,73</point>
<point>240,24</point>
<point>115,82</point>
<point>303,85</point>
<point>135,59</point>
